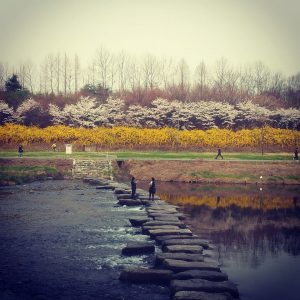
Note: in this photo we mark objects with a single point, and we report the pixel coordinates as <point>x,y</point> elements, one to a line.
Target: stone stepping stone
<point>121,191</point>
<point>165,218</point>
<point>96,182</point>
<point>167,210</point>
<point>166,227</point>
<point>207,275</point>
<point>163,206</point>
<point>203,243</point>
<point>134,248</point>
<point>194,295</point>
<point>204,286</point>
<point>193,249</point>
<point>158,223</point>
<point>161,214</point>
<point>145,202</point>
<point>182,265</point>
<point>141,275</point>
<point>147,198</point>
<point>139,221</point>
<point>129,202</point>
<point>161,239</point>
<point>160,257</point>
<point>157,232</point>
<point>104,187</point>
<point>124,196</point>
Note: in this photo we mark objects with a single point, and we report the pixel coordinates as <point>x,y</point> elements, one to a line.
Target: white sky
<point>243,31</point>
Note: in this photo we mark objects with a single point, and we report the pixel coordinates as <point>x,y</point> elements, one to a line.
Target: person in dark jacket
<point>152,189</point>
<point>20,150</point>
<point>133,187</point>
<point>296,157</point>
<point>219,154</point>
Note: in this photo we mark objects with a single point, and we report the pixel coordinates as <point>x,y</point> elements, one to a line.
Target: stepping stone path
<point>186,263</point>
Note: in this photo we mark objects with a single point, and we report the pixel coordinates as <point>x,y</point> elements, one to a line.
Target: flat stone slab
<point>194,295</point>
<point>193,249</point>
<point>140,275</point>
<point>163,227</point>
<point>104,187</point>
<point>134,248</point>
<point>157,232</point>
<point>166,219</point>
<point>147,198</point>
<point>124,196</point>
<point>150,210</point>
<point>139,221</point>
<point>145,202</point>
<point>162,238</point>
<point>162,214</point>
<point>160,257</point>
<point>129,202</point>
<point>207,275</point>
<point>158,223</point>
<point>182,265</point>
<point>200,242</point>
<point>121,191</point>
<point>204,286</point>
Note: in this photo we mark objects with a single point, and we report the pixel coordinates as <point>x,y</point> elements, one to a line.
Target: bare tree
<point>103,61</point>
<point>76,72</point>
<point>201,75</point>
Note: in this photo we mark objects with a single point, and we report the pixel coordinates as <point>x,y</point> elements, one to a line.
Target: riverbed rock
<point>194,295</point>
<point>141,275</point>
<point>203,285</point>
<point>121,191</point>
<point>162,238</point>
<point>134,248</point>
<point>147,198</point>
<point>146,229</point>
<point>200,242</point>
<point>129,202</point>
<point>157,223</point>
<point>124,196</point>
<point>193,249</point>
<point>104,187</point>
<point>167,215</point>
<point>160,257</point>
<point>139,221</point>
<point>166,218</point>
<point>201,274</point>
<point>157,232</point>
<point>182,265</point>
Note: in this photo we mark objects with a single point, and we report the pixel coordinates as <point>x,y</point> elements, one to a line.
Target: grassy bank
<point>24,174</point>
<point>164,155</point>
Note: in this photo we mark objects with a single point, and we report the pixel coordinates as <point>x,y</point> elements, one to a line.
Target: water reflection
<point>247,223</point>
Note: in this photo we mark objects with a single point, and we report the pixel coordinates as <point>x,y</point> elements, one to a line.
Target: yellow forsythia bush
<point>129,137</point>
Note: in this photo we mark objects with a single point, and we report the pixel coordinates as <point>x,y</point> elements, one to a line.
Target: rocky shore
<point>183,261</point>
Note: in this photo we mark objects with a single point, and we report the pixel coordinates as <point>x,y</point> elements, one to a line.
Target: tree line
<point>62,79</point>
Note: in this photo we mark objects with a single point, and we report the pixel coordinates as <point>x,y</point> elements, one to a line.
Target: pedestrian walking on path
<point>296,154</point>
<point>20,150</point>
<point>219,154</point>
<point>53,147</point>
<point>152,189</point>
<point>133,187</point>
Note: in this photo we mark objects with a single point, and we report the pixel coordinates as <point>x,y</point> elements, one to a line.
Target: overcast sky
<point>243,31</point>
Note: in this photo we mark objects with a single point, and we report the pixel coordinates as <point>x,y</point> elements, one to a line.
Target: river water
<point>63,239</point>
<point>256,230</point>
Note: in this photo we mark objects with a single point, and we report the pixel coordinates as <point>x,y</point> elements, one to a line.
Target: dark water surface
<point>256,230</point>
<point>63,240</point>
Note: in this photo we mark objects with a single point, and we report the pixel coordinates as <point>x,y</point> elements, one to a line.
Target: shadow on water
<point>256,230</point>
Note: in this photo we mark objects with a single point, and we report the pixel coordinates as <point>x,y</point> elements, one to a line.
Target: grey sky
<point>244,31</point>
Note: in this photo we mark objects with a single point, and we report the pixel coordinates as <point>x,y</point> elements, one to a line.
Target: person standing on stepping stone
<point>152,189</point>
<point>133,187</point>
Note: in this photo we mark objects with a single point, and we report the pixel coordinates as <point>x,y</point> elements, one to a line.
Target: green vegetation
<point>23,174</point>
<point>123,155</point>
